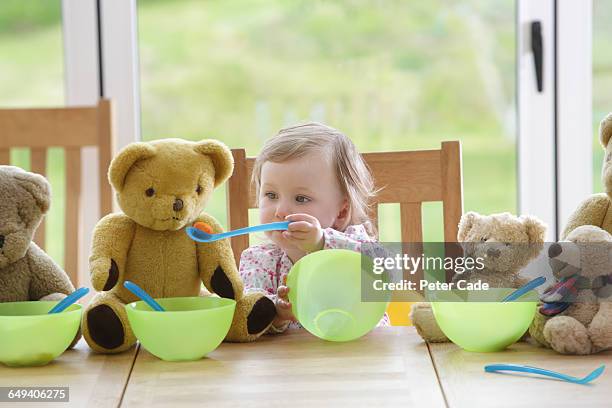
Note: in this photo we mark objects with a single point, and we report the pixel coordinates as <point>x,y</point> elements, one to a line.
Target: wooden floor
<point>391,366</point>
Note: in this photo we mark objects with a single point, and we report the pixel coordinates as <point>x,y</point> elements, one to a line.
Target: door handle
<point>537,48</point>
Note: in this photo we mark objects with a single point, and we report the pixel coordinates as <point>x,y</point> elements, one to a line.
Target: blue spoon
<point>201,236</point>
<point>491,368</point>
<point>138,291</point>
<point>69,300</point>
<point>524,289</point>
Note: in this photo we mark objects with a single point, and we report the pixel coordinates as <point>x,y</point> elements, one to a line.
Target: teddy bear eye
<point>483,239</point>
<point>199,189</point>
<point>150,192</point>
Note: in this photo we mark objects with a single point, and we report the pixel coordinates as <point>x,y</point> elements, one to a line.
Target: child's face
<point>305,185</point>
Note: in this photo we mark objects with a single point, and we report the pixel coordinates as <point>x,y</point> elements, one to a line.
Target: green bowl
<point>326,295</point>
<point>189,329</point>
<point>31,337</point>
<point>482,323</point>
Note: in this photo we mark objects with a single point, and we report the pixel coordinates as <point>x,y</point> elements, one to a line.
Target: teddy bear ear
<point>125,159</point>
<point>465,224</point>
<point>37,186</point>
<point>536,229</point>
<point>221,157</point>
<point>605,130</point>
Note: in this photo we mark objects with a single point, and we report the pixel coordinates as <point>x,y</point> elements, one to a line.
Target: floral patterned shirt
<point>263,267</point>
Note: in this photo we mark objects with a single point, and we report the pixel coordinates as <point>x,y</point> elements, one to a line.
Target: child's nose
<point>282,210</point>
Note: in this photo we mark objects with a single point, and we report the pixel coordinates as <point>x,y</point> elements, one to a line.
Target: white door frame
<point>82,87</point>
<point>574,105</point>
<point>536,143</point>
<point>554,148</point>
<point>102,61</point>
<point>120,67</point>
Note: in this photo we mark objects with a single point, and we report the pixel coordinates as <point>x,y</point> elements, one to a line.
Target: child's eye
<point>302,199</point>
<point>271,195</point>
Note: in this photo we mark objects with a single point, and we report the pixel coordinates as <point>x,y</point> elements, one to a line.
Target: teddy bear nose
<point>1,241</point>
<point>493,253</point>
<point>178,205</point>
<point>555,250</point>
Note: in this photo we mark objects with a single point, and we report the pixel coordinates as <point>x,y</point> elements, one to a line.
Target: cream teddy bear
<point>26,271</point>
<point>489,238</point>
<point>597,209</point>
<point>576,317</point>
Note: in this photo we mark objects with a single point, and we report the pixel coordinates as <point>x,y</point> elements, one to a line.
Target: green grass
<point>25,16</point>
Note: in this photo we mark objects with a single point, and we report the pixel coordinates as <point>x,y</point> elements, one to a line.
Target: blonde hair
<point>352,172</point>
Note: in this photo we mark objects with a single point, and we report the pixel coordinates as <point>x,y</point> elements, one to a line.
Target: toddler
<point>312,176</point>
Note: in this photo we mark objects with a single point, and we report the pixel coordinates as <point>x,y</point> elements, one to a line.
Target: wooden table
<point>391,366</point>
<point>466,385</point>
<point>94,380</point>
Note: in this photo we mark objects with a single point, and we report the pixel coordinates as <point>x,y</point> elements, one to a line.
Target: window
<point>602,81</point>
<point>391,75</point>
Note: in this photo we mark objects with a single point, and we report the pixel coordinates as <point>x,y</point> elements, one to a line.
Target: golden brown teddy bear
<point>576,317</point>
<point>26,271</point>
<point>488,238</point>
<point>162,187</point>
<point>597,209</point>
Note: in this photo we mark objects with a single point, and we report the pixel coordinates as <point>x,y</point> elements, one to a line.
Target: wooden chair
<point>408,178</point>
<point>71,128</point>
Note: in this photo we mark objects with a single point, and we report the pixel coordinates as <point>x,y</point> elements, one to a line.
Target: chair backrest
<point>408,178</point>
<point>71,128</point>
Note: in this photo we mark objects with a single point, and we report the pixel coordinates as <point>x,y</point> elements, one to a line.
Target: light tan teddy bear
<point>26,271</point>
<point>162,187</point>
<point>488,238</point>
<point>597,209</point>
<point>576,317</point>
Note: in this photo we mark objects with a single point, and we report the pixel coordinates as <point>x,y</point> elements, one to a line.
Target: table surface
<point>390,366</point>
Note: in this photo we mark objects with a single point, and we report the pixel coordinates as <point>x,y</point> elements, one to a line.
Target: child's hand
<point>304,232</point>
<point>283,307</point>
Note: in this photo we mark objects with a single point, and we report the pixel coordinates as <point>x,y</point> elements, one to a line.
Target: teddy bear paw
<point>536,330</point>
<point>567,335</point>
<point>261,316</point>
<point>104,274</point>
<point>254,315</point>
<point>600,335</point>
<point>104,328</point>
<point>423,319</point>
<point>107,331</point>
